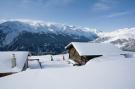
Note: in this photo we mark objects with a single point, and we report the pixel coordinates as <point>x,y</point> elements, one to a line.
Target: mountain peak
<point>41,26</point>
<point>124,33</point>
<point>16,35</point>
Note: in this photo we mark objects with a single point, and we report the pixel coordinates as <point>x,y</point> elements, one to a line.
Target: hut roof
<point>5,61</point>
<point>88,48</point>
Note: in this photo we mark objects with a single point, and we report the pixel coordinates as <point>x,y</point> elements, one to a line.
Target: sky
<point>104,15</point>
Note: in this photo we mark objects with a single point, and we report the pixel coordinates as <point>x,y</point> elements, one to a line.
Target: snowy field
<point>108,72</point>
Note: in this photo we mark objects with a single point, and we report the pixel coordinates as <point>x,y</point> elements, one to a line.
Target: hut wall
<point>73,54</point>
<point>81,60</point>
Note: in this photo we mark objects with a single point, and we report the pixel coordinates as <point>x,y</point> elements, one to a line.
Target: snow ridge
<point>123,38</point>
<point>124,33</point>
<point>11,27</point>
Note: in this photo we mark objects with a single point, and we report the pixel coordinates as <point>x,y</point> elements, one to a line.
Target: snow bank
<point>113,74</point>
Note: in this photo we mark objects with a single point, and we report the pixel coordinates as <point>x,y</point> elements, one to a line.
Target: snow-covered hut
<point>81,52</point>
<point>12,62</point>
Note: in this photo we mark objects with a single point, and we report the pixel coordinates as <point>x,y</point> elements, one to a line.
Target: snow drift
<point>116,73</point>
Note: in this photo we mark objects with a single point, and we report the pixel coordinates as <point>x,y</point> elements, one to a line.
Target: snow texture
<point>104,74</point>
<point>125,33</point>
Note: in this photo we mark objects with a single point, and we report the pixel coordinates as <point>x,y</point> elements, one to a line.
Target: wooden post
<point>51,58</point>
<point>27,64</point>
<point>63,58</point>
<point>39,63</point>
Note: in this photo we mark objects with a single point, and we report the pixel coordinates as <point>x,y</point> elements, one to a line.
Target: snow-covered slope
<point>13,28</point>
<point>26,35</point>
<point>39,36</point>
<point>123,38</point>
<point>124,33</point>
<point>116,73</point>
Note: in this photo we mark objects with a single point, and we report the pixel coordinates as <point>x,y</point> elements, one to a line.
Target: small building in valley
<point>81,52</point>
<point>12,62</point>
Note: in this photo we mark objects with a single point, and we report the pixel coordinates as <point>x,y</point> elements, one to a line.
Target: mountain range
<point>42,38</point>
<point>122,38</point>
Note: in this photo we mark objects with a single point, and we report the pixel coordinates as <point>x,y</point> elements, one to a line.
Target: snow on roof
<point>5,61</point>
<point>87,48</point>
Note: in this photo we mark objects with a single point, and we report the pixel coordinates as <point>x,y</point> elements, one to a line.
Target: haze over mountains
<point>42,38</point>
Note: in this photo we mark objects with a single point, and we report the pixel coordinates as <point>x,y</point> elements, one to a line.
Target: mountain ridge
<point>41,37</point>
<point>19,35</point>
<point>122,38</point>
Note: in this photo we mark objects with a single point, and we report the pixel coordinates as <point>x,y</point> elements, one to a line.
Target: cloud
<point>118,14</point>
<point>103,5</point>
<point>46,3</point>
<point>100,7</point>
<point>58,2</point>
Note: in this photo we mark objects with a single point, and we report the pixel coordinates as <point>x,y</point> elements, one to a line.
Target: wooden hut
<point>12,62</point>
<point>81,52</point>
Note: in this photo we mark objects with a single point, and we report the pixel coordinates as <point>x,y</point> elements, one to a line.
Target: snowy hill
<point>37,36</point>
<point>123,38</point>
<point>107,73</point>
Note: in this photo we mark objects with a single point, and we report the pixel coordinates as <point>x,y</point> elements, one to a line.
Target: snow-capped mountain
<point>37,36</point>
<point>123,38</point>
<point>41,37</point>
